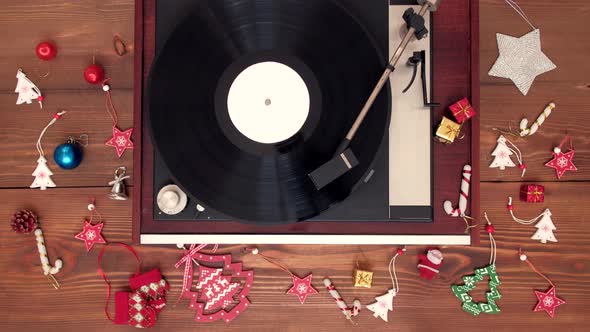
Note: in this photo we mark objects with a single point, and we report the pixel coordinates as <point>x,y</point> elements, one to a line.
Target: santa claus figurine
<point>430,263</point>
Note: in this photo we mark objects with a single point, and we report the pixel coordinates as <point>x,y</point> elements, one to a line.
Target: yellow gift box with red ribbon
<point>447,130</point>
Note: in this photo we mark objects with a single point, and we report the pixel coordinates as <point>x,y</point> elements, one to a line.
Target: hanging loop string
<point>271,260</point>
<point>525,259</point>
<point>521,221</point>
<point>93,211</point>
<point>104,276</point>
<point>493,248</point>
<point>56,117</point>
<point>392,273</point>
<point>520,12</point>
<point>519,156</point>
<point>567,139</point>
<point>109,101</point>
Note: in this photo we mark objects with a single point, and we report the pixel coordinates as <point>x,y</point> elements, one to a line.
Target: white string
<point>521,221</point>
<point>518,154</point>
<point>492,243</point>
<point>520,12</point>
<point>38,145</point>
<point>392,273</point>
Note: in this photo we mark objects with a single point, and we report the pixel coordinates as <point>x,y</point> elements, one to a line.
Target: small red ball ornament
<point>94,74</point>
<point>46,51</point>
<point>490,229</point>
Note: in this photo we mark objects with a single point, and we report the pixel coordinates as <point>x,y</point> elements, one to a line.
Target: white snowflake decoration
<point>90,235</point>
<point>121,141</point>
<point>302,289</point>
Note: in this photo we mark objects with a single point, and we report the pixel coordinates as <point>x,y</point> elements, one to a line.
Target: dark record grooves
<point>209,158</point>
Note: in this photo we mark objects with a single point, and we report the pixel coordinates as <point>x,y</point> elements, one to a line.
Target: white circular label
<point>268,102</point>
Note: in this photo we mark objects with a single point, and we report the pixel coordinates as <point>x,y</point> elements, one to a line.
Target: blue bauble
<point>68,155</point>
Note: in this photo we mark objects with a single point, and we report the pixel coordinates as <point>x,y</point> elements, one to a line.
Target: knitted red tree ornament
<point>152,286</point>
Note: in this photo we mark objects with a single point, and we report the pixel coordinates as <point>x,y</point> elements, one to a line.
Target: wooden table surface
<point>84,28</point>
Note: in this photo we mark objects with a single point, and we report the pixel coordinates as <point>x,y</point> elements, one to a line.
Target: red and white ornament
<point>548,300</point>
<point>460,211</point>
<point>502,154</point>
<point>27,90</point>
<point>384,302</point>
<point>219,296</point>
<point>121,140</point>
<point>563,161</point>
<point>42,173</point>
<point>430,263</point>
<point>348,312</point>
<point>91,234</point>
<point>94,74</point>
<point>544,224</point>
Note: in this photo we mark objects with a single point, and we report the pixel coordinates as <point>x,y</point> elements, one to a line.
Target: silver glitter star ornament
<point>521,59</point>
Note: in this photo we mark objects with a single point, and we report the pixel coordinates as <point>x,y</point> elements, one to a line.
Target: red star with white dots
<point>121,140</point>
<point>302,288</point>
<point>91,234</point>
<point>548,301</point>
<point>562,162</point>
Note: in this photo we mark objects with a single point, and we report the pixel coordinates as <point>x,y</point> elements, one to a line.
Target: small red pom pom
<point>94,74</point>
<point>400,251</point>
<point>490,229</point>
<point>522,166</point>
<point>40,98</point>
<point>509,206</point>
<point>46,51</point>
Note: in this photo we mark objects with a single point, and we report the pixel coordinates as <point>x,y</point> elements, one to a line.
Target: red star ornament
<point>121,140</point>
<point>548,301</point>
<point>562,162</point>
<point>91,234</point>
<point>302,287</point>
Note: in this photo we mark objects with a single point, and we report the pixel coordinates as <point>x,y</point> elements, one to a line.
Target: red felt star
<point>548,301</point>
<point>91,234</point>
<point>562,162</point>
<point>121,140</point>
<point>302,288</point>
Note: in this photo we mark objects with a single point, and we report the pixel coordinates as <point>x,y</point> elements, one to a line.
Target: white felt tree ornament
<point>383,305</point>
<point>502,155</point>
<point>27,90</point>
<point>42,175</point>
<point>545,228</point>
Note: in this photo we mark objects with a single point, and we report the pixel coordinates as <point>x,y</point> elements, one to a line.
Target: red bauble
<point>94,74</point>
<point>46,51</point>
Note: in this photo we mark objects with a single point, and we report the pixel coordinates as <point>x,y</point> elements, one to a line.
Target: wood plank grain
<point>86,114</point>
<point>80,29</point>
<point>421,305</point>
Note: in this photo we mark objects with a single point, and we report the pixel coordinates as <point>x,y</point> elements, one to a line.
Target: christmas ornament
<point>532,193</point>
<point>27,90</point>
<point>42,173</point>
<point>46,51</point>
<point>118,191</point>
<point>69,155</point>
<point>447,131</point>
<point>384,302</point>
<point>301,288</point>
<point>121,140</point>
<point>470,281</point>
<point>502,154</point>
<point>217,293</point>
<point>545,226</point>
<point>363,278</point>
<point>462,110</point>
<point>548,300</point>
<point>94,74</point>
<point>461,210</point>
<point>348,312</point>
<point>563,161</point>
<point>23,221</point>
<point>140,306</point>
<point>521,59</point>
<point>91,234</point>
<point>430,263</point>
<point>524,131</point>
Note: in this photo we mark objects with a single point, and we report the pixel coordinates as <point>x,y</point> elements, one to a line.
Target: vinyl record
<point>247,97</point>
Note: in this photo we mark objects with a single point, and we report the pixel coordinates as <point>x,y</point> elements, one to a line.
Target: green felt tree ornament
<point>470,282</point>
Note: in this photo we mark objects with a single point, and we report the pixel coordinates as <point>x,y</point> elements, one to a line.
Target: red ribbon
<point>187,260</point>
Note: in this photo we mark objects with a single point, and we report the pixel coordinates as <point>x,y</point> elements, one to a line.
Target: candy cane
<point>47,269</point>
<point>524,131</point>
<point>463,195</point>
<point>348,312</point>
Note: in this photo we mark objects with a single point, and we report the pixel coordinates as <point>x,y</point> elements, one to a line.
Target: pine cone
<point>24,221</point>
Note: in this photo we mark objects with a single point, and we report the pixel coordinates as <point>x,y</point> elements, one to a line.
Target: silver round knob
<point>171,199</point>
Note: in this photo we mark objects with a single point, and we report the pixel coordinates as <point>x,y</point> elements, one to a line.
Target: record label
<point>268,102</point>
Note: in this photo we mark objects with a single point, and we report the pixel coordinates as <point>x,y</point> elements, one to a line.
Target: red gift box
<point>532,193</point>
<point>462,110</point>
